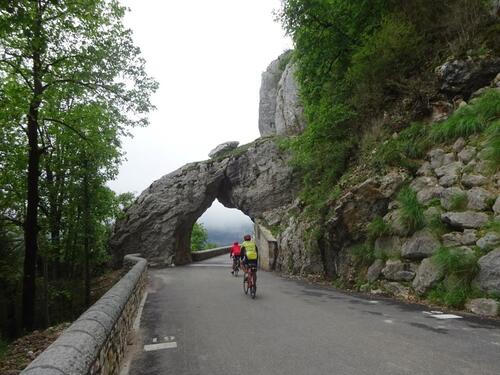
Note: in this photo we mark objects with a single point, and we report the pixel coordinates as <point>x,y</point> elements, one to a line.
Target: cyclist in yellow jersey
<point>249,252</point>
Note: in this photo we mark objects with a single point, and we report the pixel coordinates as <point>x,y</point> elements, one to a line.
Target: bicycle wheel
<point>245,284</point>
<point>253,290</point>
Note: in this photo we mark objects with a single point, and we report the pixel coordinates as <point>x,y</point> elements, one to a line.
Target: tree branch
<point>68,126</point>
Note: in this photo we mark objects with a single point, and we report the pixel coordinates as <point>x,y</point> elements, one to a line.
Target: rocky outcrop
<point>428,274</point>
<point>289,117</point>
<point>280,108</point>
<point>488,278</point>
<point>483,306</point>
<point>256,179</point>
<point>222,149</point>
<point>463,77</point>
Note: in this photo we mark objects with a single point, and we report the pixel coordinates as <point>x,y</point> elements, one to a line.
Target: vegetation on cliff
<point>72,83</point>
<point>369,86</point>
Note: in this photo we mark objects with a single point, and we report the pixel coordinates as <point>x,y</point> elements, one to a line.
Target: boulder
<point>467,154</point>
<point>450,169</point>
<point>464,220</point>
<point>467,237</point>
<point>428,274</point>
<point>479,198</point>
<point>421,245</point>
<point>423,182</point>
<point>268,94</point>
<point>223,148</point>
<point>425,170</point>
<point>448,195</point>
<point>489,241</point>
<point>396,289</point>
<point>459,145</point>
<point>425,195</point>
<point>483,306</point>
<point>436,157</point>
<point>463,77</point>
<point>488,278</point>
<point>374,270</point>
<point>393,218</point>
<point>472,180</point>
<point>388,246</point>
<point>289,118</point>
<point>496,206</point>
<point>391,268</point>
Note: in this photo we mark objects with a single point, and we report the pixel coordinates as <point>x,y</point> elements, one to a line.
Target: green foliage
<point>492,226</point>
<point>411,143</point>
<point>461,264</point>
<point>3,348</point>
<point>363,254</point>
<point>493,145</point>
<point>436,225</point>
<point>199,236</point>
<point>377,228</point>
<point>460,267</point>
<point>454,298</point>
<point>458,202</point>
<point>411,210</point>
<point>321,152</point>
<point>471,119</point>
<point>382,61</point>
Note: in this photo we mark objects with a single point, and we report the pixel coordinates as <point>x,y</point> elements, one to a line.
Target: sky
<point>208,57</point>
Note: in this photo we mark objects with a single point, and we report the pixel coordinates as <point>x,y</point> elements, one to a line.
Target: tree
<point>72,65</point>
<point>199,237</point>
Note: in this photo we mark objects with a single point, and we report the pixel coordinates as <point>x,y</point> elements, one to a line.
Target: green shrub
<point>455,297</point>
<point>436,225</point>
<point>411,143</point>
<point>411,210</point>
<point>377,228</point>
<point>493,146</point>
<point>3,348</point>
<point>363,254</point>
<point>456,262</point>
<point>384,58</point>
<point>458,202</point>
<point>471,119</point>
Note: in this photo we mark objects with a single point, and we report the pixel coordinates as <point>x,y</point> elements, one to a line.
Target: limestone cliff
<point>254,178</point>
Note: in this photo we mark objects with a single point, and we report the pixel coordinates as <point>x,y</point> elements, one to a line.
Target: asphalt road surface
<point>197,320</point>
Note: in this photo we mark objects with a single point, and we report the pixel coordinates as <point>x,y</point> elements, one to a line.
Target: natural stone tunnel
<point>255,178</point>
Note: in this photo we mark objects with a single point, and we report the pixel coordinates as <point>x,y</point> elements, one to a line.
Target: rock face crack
<point>258,181</point>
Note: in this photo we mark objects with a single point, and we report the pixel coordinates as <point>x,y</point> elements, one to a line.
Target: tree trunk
<point>32,196</point>
<point>87,228</point>
<point>31,221</point>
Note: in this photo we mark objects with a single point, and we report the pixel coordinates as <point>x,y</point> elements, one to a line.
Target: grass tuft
<point>458,202</point>
<point>377,228</point>
<point>411,210</point>
<point>471,119</point>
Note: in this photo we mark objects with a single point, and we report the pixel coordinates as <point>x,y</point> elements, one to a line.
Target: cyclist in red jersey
<point>235,253</point>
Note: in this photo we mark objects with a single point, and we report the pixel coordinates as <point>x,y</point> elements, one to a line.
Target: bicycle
<point>250,281</point>
<point>236,266</point>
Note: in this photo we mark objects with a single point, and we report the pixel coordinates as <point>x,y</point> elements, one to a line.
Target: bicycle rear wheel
<point>253,290</point>
<point>245,284</point>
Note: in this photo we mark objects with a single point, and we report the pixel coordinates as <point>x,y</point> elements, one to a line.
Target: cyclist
<point>235,254</point>
<point>249,252</point>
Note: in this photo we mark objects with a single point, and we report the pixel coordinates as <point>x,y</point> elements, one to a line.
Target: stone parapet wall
<point>95,342</point>
<point>268,247</point>
<point>210,253</point>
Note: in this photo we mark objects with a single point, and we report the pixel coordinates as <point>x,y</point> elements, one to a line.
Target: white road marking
<point>137,320</point>
<point>445,316</point>
<point>155,339</point>
<point>162,345</point>
<point>495,343</point>
<point>388,321</point>
<point>169,338</point>
<point>374,302</point>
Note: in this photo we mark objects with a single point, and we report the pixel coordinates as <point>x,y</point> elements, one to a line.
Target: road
<point>196,320</point>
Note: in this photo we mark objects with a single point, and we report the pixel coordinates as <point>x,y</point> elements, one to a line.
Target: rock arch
<point>255,178</point>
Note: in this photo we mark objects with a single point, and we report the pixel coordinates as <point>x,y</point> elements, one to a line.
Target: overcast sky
<point>208,57</point>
